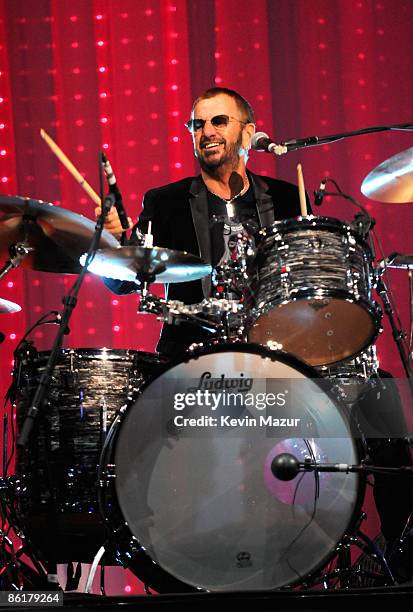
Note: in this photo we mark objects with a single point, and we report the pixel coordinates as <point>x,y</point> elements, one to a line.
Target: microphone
<point>262,142</point>
<point>113,188</point>
<point>286,467</point>
<point>319,195</point>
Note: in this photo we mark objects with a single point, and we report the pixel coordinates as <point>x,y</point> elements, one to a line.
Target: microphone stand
<point>286,466</point>
<point>311,141</point>
<point>69,302</point>
<point>398,334</point>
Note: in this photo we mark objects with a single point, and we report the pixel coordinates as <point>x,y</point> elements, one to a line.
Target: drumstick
<point>70,167</point>
<point>301,191</point>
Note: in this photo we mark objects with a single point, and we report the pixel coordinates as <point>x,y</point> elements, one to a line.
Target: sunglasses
<point>219,121</point>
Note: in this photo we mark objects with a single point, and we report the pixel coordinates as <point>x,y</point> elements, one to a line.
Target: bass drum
<point>189,493</point>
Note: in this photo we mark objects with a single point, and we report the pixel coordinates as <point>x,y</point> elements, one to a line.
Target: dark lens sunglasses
<point>219,122</point>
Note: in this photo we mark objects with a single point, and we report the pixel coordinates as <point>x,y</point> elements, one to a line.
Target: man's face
<point>216,146</point>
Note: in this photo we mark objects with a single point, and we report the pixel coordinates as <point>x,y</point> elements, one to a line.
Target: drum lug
<point>107,475</point>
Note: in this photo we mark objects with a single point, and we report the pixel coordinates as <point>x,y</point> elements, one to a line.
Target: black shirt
<point>222,228</point>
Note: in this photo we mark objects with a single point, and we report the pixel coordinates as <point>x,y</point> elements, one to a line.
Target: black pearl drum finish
<point>310,290</point>
<point>353,378</point>
<point>56,476</point>
<point>198,507</point>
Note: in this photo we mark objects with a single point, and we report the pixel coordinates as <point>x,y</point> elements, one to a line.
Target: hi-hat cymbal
<point>163,265</point>
<point>392,180</point>
<point>57,237</point>
<point>7,306</point>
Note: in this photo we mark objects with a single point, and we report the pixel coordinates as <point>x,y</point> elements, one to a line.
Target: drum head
<point>201,498</point>
<point>317,330</point>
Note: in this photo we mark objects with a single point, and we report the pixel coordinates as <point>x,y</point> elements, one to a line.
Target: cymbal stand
<point>230,278</point>
<point>397,332</point>
<point>15,572</point>
<point>175,312</point>
<point>343,572</point>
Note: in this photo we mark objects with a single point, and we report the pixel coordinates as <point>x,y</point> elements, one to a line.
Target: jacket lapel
<point>264,201</point>
<point>199,209</point>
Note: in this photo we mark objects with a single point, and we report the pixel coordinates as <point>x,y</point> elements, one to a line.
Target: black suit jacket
<point>179,215</point>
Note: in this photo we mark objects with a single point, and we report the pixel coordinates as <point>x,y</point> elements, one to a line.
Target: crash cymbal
<point>57,237</point>
<point>392,180</point>
<point>168,266</point>
<point>6,306</point>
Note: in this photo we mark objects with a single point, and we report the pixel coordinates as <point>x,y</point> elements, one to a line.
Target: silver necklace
<point>228,202</point>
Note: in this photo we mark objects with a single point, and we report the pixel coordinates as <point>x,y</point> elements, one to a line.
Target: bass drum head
<point>201,498</point>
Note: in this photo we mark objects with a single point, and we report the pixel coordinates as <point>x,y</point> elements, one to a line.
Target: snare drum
<point>188,486</point>
<point>310,290</point>
<point>61,461</point>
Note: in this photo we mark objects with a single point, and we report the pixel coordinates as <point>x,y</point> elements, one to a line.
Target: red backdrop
<point>121,74</point>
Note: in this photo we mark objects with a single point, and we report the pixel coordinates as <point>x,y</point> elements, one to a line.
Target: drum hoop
<point>240,347</point>
<point>97,353</point>
<point>373,308</point>
<point>314,222</point>
<point>311,221</point>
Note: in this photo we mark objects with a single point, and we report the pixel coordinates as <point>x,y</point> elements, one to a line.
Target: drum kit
<point>124,466</point>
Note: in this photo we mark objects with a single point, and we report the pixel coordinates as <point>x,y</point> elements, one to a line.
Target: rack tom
<point>310,290</point>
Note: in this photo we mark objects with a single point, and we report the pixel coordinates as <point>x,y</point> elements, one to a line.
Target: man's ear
<point>247,134</point>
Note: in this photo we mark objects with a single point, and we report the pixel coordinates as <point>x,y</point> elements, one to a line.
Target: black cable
<point>39,322</point>
<point>410,275</point>
<point>341,193</point>
<point>10,394</point>
<point>300,533</point>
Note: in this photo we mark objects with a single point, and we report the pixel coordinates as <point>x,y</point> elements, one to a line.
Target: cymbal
<point>392,180</point>
<point>57,237</point>
<point>168,266</point>
<point>6,306</point>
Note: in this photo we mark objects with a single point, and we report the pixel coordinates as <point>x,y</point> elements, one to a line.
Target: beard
<point>230,155</point>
